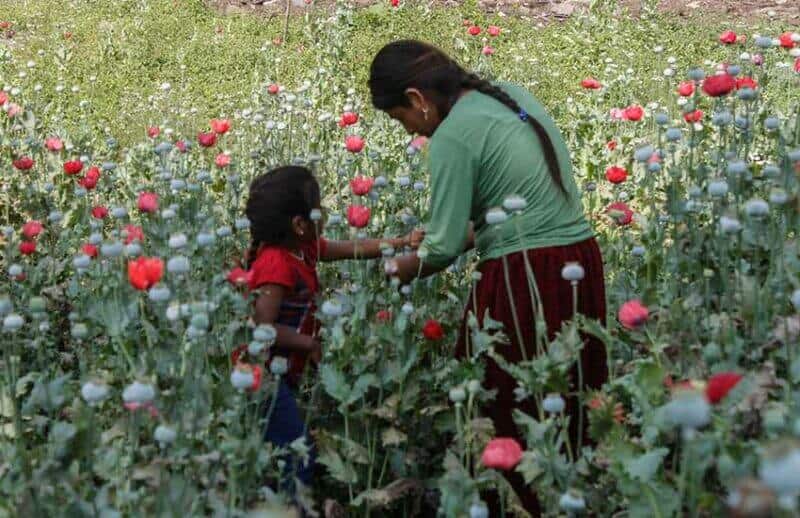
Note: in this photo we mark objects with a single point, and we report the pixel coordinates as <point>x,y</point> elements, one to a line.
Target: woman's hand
<point>414,238</point>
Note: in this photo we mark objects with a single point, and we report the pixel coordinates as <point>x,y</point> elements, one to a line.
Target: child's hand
<point>414,238</point>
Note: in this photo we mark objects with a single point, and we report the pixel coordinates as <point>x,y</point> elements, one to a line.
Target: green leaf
<point>362,384</point>
<point>63,432</point>
<point>644,467</point>
<point>337,468</point>
<point>334,382</point>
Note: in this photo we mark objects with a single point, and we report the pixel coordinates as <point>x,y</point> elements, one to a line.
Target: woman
<point>488,142</point>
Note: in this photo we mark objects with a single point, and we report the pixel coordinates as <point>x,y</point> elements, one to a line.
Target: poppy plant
<point>633,314</point>
<point>720,384</point>
<point>148,202</point>
<point>616,174</point>
<point>502,453</point>
<point>145,272</point>
<point>432,330</point>
<point>32,228</point>
<point>354,143</point>
<point>220,126</point>
<point>73,167</point>
<point>358,216</point>
<point>361,185</point>
<point>719,85</point>
<point>591,83</point>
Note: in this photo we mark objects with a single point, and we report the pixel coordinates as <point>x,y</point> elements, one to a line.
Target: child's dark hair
<point>413,64</point>
<point>276,197</point>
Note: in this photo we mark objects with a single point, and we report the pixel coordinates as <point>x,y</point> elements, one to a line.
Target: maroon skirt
<point>492,293</point>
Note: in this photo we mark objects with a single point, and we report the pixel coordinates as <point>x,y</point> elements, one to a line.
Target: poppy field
<point>133,381</point>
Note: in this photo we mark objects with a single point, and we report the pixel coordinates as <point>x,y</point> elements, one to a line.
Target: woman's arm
<point>368,248</point>
<point>268,305</point>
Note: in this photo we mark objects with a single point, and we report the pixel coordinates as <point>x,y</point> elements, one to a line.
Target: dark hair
<point>413,64</point>
<point>276,197</point>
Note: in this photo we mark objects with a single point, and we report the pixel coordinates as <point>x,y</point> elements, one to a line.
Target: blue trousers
<point>285,425</point>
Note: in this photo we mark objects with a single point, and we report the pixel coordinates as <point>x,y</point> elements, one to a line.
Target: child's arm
<point>267,306</point>
<point>368,248</point>
<point>410,266</point>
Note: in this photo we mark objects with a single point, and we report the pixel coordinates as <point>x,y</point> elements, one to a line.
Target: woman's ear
<point>416,99</point>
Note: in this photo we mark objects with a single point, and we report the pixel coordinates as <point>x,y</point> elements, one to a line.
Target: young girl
<point>286,245</point>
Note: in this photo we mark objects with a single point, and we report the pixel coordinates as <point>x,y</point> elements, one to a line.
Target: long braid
<point>473,82</point>
<point>405,64</point>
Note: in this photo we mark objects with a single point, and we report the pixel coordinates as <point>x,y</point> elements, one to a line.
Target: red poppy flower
<point>27,247</point>
<point>53,144</point>
<point>89,249</point>
<point>256,378</point>
<point>32,228</point>
<point>474,30</point>
<point>611,145</point>
<point>273,89</point>
<point>99,212</point>
<point>23,163</point>
<point>361,185</point>
<point>13,109</point>
<point>786,41</point>
<point>207,139</point>
<point>616,174</point>
<point>383,315</point>
<point>719,85</point>
<point>686,88</point>
<point>432,330</point>
<point>220,126</point>
<point>223,160</point>
<point>493,30</point>
<point>133,233</point>
<point>395,3</point>
<point>502,453</point>
<point>720,384</point>
<point>354,143</point>
<point>620,213</point>
<point>694,116</point>
<point>237,353</point>
<point>746,82</point>
<point>73,167</point>
<point>358,216</point>
<point>153,131</point>
<point>633,314</point>
<point>148,202</point>
<point>591,83</point>
<point>727,37</point>
<point>487,50</point>
<point>348,119</point>
<point>90,179</point>
<point>181,145</point>
<point>633,113</point>
<point>145,272</point>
